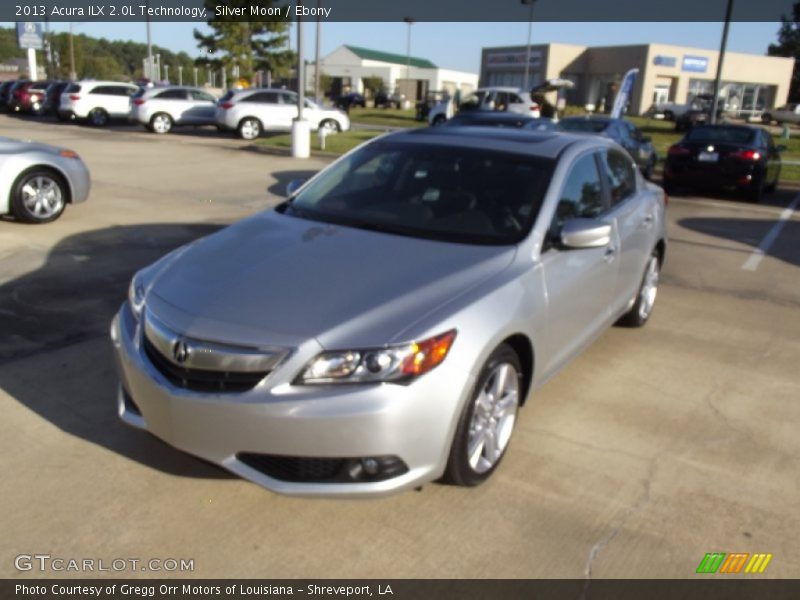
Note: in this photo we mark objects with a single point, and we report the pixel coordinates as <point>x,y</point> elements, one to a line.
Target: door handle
<point>611,251</point>
<point>647,221</point>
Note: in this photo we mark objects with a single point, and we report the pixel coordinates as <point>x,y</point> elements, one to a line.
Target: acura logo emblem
<point>181,351</point>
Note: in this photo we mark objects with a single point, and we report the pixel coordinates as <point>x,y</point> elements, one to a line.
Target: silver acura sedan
<point>382,327</point>
<point>37,181</point>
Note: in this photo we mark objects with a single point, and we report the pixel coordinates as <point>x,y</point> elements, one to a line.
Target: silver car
<point>161,108</point>
<point>37,181</point>
<point>381,328</point>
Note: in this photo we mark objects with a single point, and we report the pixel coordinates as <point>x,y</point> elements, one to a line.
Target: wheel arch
<point>47,167</point>
<point>521,344</point>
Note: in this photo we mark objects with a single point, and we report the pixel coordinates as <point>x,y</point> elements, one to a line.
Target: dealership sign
<point>696,64</point>
<point>513,59</point>
<point>664,61</point>
<point>29,35</point>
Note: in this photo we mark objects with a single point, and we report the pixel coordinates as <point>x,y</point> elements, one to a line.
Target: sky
<point>458,45</point>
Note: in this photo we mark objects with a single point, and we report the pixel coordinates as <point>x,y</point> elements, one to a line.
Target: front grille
<point>297,468</point>
<point>199,380</point>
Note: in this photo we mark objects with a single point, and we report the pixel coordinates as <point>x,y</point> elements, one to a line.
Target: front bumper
<point>414,423</point>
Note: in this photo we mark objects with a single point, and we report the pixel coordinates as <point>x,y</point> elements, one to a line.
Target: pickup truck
<point>785,114</point>
<point>673,111</point>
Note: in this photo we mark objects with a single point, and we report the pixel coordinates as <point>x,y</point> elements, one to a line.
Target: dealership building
<point>750,83</point>
<point>347,66</point>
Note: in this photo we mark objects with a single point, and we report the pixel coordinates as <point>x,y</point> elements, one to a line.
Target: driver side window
<point>581,196</point>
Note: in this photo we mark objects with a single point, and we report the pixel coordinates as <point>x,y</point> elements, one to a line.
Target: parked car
<point>161,108</point>
<point>489,118</point>
<point>625,133</point>
<point>717,157</point>
<point>37,180</point>
<point>490,98</point>
<point>4,86</point>
<point>789,113</point>
<point>53,97</point>
<point>378,330</point>
<point>30,97</point>
<point>384,99</point>
<point>97,102</point>
<point>251,112</point>
<point>350,100</point>
<point>8,95</point>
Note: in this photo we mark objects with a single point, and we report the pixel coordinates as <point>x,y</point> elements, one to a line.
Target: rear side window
<point>172,95</point>
<point>287,98</point>
<point>621,175</point>
<point>201,96</point>
<point>72,88</point>
<point>262,97</point>
<point>581,196</point>
<point>105,90</point>
<point>721,134</point>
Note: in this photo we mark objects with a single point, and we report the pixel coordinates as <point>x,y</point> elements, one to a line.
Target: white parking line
<point>752,262</point>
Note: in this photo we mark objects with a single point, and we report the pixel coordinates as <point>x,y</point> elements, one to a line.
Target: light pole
<point>301,129</point>
<point>530,3</point>
<point>73,75</point>
<point>316,58</point>
<point>408,21</point>
<point>723,44</point>
<point>149,74</point>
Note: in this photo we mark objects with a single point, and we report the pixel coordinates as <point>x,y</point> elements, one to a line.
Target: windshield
<point>436,192</point>
<point>732,135</point>
<point>583,125</point>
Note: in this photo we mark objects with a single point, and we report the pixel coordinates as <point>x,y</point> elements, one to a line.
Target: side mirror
<point>585,233</point>
<point>294,185</point>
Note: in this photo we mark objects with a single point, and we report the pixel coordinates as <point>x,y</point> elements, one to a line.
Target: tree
<point>373,83</point>
<point>250,45</point>
<point>789,45</point>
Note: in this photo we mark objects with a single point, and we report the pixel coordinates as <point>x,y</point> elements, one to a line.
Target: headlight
<point>136,295</point>
<point>399,363</point>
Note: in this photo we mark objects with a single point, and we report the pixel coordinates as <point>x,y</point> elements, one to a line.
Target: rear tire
<point>642,307</point>
<point>772,186</point>
<point>38,196</point>
<point>438,121</point>
<point>487,420</point>
<point>161,123</point>
<point>98,117</point>
<point>249,128</point>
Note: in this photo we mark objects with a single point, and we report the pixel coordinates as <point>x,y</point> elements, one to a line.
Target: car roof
<point>545,144</point>
<point>162,88</point>
<point>728,126</point>
<point>103,82</point>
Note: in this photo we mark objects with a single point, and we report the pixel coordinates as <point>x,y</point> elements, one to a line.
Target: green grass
<point>338,143</point>
<point>389,117</point>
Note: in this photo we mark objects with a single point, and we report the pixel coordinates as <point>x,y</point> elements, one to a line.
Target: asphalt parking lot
<point>651,449</point>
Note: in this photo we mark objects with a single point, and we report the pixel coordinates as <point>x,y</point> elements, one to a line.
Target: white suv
<point>491,98</point>
<point>97,101</point>
<point>252,111</point>
<point>159,108</point>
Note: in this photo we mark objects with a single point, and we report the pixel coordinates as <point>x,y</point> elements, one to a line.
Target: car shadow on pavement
<point>55,353</point>
<point>786,246</point>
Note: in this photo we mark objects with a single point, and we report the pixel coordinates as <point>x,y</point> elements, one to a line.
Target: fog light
<point>371,466</point>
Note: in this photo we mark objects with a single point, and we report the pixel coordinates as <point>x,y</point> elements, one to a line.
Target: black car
<point>3,91</point>
<point>53,98</point>
<point>350,100</point>
<point>716,157</point>
<point>492,118</point>
<point>625,133</point>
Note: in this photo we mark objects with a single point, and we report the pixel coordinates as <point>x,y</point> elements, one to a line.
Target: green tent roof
<point>398,59</point>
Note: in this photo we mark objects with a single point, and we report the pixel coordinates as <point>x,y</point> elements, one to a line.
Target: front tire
<point>642,307</point>
<point>161,123</point>
<point>249,128</point>
<point>331,125</point>
<point>487,421</point>
<point>38,196</point>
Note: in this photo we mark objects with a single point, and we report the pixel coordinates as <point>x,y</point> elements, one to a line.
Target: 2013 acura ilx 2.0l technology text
<point>381,328</point>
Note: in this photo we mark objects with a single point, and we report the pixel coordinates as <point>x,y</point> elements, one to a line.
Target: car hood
<point>12,146</point>
<point>281,280</point>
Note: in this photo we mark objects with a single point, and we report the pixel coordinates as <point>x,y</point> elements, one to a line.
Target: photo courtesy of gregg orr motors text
<point>46,563</point>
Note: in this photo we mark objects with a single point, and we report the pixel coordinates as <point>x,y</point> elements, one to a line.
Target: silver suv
<point>250,112</point>
<point>161,108</point>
